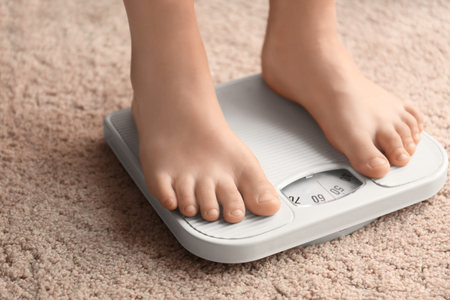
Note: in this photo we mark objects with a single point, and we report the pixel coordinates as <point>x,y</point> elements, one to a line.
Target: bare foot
<point>303,60</point>
<point>191,159</point>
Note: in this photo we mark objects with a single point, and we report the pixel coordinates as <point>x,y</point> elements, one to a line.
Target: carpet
<point>73,225</point>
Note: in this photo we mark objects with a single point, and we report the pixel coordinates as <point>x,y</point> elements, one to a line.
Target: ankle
<point>308,20</point>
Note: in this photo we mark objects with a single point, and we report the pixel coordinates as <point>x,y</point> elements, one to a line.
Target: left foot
<point>306,63</point>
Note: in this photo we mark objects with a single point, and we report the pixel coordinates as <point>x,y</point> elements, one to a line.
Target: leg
<point>304,61</point>
<point>191,159</point>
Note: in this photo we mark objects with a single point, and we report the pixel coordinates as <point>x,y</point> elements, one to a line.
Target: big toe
<point>365,157</point>
<point>392,144</point>
<point>259,194</point>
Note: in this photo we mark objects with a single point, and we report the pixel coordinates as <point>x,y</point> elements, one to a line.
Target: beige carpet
<point>74,226</point>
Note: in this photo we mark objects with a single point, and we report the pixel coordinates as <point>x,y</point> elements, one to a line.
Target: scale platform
<point>322,196</point>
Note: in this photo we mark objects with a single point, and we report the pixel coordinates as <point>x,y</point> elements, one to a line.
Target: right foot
<point>192,160</point>
<point>190,157</point>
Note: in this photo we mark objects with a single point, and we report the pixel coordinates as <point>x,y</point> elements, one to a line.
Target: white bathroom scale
<point>322,196</point>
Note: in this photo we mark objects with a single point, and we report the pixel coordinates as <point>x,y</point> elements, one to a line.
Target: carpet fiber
<point>73,225</point>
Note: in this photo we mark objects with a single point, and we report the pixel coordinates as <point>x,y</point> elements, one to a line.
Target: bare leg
<point>190,157</point>
<point>304,61</point>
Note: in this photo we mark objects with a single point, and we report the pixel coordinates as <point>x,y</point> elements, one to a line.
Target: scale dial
<point>321,188</point>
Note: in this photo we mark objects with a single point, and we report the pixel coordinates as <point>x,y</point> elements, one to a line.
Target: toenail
<point>212,212</point>
<point>417,137</point>
<point>411,146</point>
<point>377,161</point>
<point>267,197</point>
<point>168,202</point>
<point>189,208</point>
<point>237,213</point>
<point>402,156</point>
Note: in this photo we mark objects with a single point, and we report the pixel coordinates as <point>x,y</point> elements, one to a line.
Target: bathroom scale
<point>322,196</point>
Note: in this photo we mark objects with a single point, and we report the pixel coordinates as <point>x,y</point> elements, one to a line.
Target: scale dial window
<point>321,188</point>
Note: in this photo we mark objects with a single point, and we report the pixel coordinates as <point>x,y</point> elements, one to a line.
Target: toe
<point>184,188</point>
<point>231,201</point>
<point>205,193</point>
<point>259,194</point>
<point>404,132</point>
<point>161,188</point>
<point>364,155</point>
<point>392,144</point>
<point>417,115</point>
<point>411,121</point>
